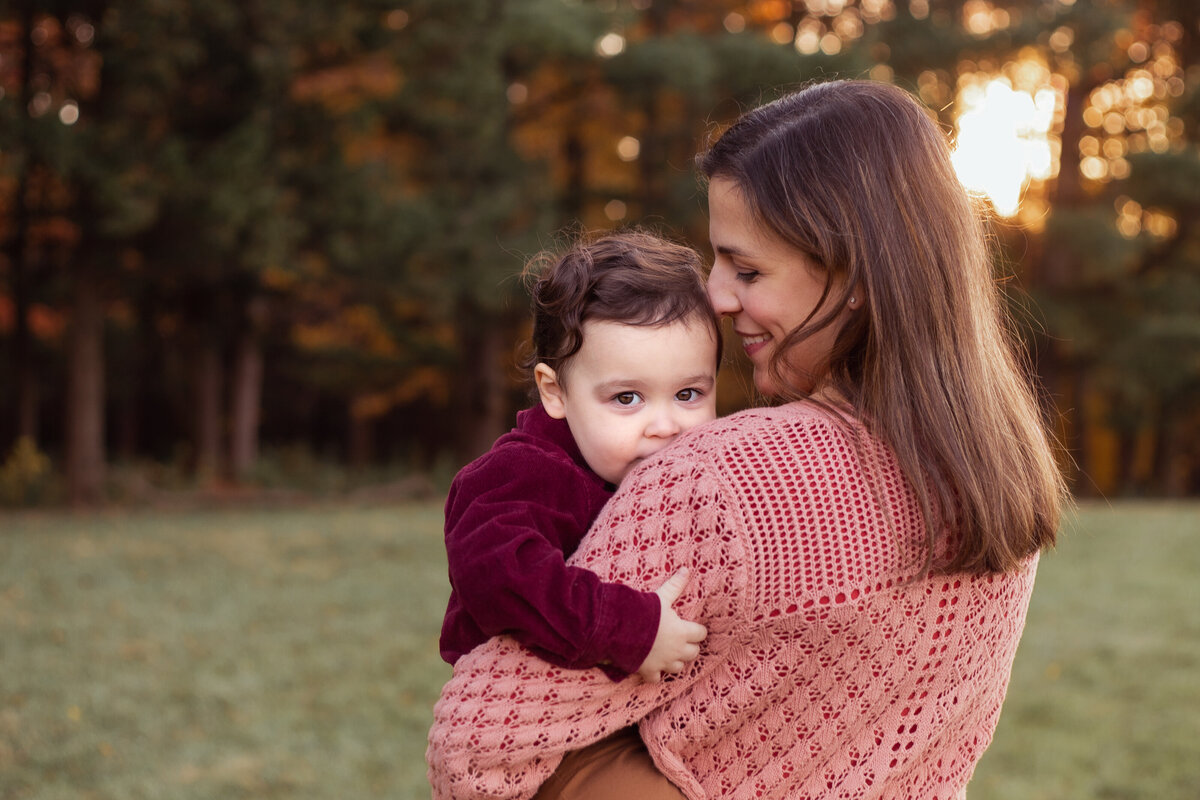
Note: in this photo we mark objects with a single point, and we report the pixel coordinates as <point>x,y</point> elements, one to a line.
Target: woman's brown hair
<point>857,176</point>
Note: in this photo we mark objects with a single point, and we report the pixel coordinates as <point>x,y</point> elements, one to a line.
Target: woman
<point>863,554</point>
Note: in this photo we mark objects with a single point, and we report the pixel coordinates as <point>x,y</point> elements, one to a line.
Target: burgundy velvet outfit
<point>512,517</point>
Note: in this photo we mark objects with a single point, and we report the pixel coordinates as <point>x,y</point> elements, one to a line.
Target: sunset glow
<point>1003,140</point>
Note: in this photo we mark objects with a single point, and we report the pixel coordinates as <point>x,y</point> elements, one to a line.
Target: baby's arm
<point>506,528</point>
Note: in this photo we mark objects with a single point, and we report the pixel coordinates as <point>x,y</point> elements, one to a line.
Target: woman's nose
<point>720,291</point>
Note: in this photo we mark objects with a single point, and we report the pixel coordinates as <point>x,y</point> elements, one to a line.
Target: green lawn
<point>273,654</point>
<point>293,654</point>
<point>1105,698</point>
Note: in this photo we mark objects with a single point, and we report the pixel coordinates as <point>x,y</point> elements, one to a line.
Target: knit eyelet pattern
<point>830,671</point>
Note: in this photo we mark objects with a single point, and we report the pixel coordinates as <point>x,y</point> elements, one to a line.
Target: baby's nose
<point>663,424</point>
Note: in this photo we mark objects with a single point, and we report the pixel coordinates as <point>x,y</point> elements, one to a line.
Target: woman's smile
<point>752,343</point>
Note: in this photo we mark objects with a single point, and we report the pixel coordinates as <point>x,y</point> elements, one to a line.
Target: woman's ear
<point>550,390</point>
<point>857,298</point>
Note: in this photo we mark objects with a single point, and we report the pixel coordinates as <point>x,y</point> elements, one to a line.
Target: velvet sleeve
<point>508,520</point>
<point>506,718</point>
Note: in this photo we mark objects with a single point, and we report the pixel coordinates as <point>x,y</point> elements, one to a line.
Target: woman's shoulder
<point>760,435</point>
<point>773,422</point>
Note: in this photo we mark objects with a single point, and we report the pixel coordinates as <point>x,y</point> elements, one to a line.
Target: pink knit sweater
<point>827,673</point>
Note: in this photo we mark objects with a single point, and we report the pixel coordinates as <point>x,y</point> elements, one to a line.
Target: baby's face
<point>632,389</point>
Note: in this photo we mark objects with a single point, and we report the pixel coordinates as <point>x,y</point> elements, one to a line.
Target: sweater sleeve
<point>506,718</point>
<point>508,521</point>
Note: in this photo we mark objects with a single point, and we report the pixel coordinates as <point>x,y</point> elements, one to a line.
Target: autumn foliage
<point>234,225</point>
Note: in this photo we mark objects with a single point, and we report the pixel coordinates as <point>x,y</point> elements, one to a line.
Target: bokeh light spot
<point>610,44</point>
<point>69,113</point>
<point>615,210</point>
<point>1003,141</point>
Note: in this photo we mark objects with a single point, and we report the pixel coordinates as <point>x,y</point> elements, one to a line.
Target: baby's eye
<point>627,398</point>
<point>688,395</point>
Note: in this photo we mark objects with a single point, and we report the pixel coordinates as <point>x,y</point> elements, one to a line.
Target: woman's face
<point>768,288</point>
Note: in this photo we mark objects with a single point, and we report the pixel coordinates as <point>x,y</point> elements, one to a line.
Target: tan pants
<point>616,768</point>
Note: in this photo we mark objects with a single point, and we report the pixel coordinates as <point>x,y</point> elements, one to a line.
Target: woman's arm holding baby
<point>506,718</point>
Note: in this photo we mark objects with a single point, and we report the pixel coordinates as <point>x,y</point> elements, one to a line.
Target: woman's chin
<point>794,386</point>
<point>765,385</point>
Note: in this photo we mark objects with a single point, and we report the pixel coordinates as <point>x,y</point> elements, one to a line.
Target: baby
<point>625,355</point>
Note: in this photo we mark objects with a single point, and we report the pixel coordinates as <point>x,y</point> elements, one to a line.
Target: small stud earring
<point>853,300</point>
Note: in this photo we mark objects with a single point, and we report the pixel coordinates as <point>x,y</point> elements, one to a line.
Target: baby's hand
<point>677,641</point>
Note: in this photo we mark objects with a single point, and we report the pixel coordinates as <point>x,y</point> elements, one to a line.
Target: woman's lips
<point>753,344</point>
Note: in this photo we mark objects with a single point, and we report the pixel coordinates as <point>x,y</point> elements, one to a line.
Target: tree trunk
<point>361,444</point>
<point>28,398</point>
<point>1057,273</point>
<point>245,405</point>
<point>1178,455</point>
<point>484,387</point>
<point>129,399</point>
<point>22,364</point>
<point>208,412</point>
<point>575,156</point>
<point>85,393</point>
<point>18,250</point>
<point>651,191</point>
<point>127,421</point>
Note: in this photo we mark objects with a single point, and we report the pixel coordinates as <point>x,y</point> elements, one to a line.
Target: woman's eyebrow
<point>732,250</point>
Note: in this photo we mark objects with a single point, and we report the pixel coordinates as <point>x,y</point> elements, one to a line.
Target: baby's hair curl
<point>632,277</point>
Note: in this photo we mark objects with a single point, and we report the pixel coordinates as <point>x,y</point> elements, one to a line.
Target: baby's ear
<point>549,390</point>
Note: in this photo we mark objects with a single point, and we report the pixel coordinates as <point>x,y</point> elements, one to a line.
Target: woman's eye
<point>746,275</point>
<point>688,395</point>
<point>626,398</point>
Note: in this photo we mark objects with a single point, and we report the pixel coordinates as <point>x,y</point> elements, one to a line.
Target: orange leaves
<point>356,327</point>
<point>419,382</point>
<point>345,88</point>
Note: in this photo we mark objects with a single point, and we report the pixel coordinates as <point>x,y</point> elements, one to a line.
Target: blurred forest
<point>236,226</point>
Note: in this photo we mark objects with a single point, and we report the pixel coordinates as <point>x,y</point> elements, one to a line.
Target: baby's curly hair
<point>632,277</point>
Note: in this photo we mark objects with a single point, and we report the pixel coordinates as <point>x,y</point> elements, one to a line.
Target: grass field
<point>292,654</point>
